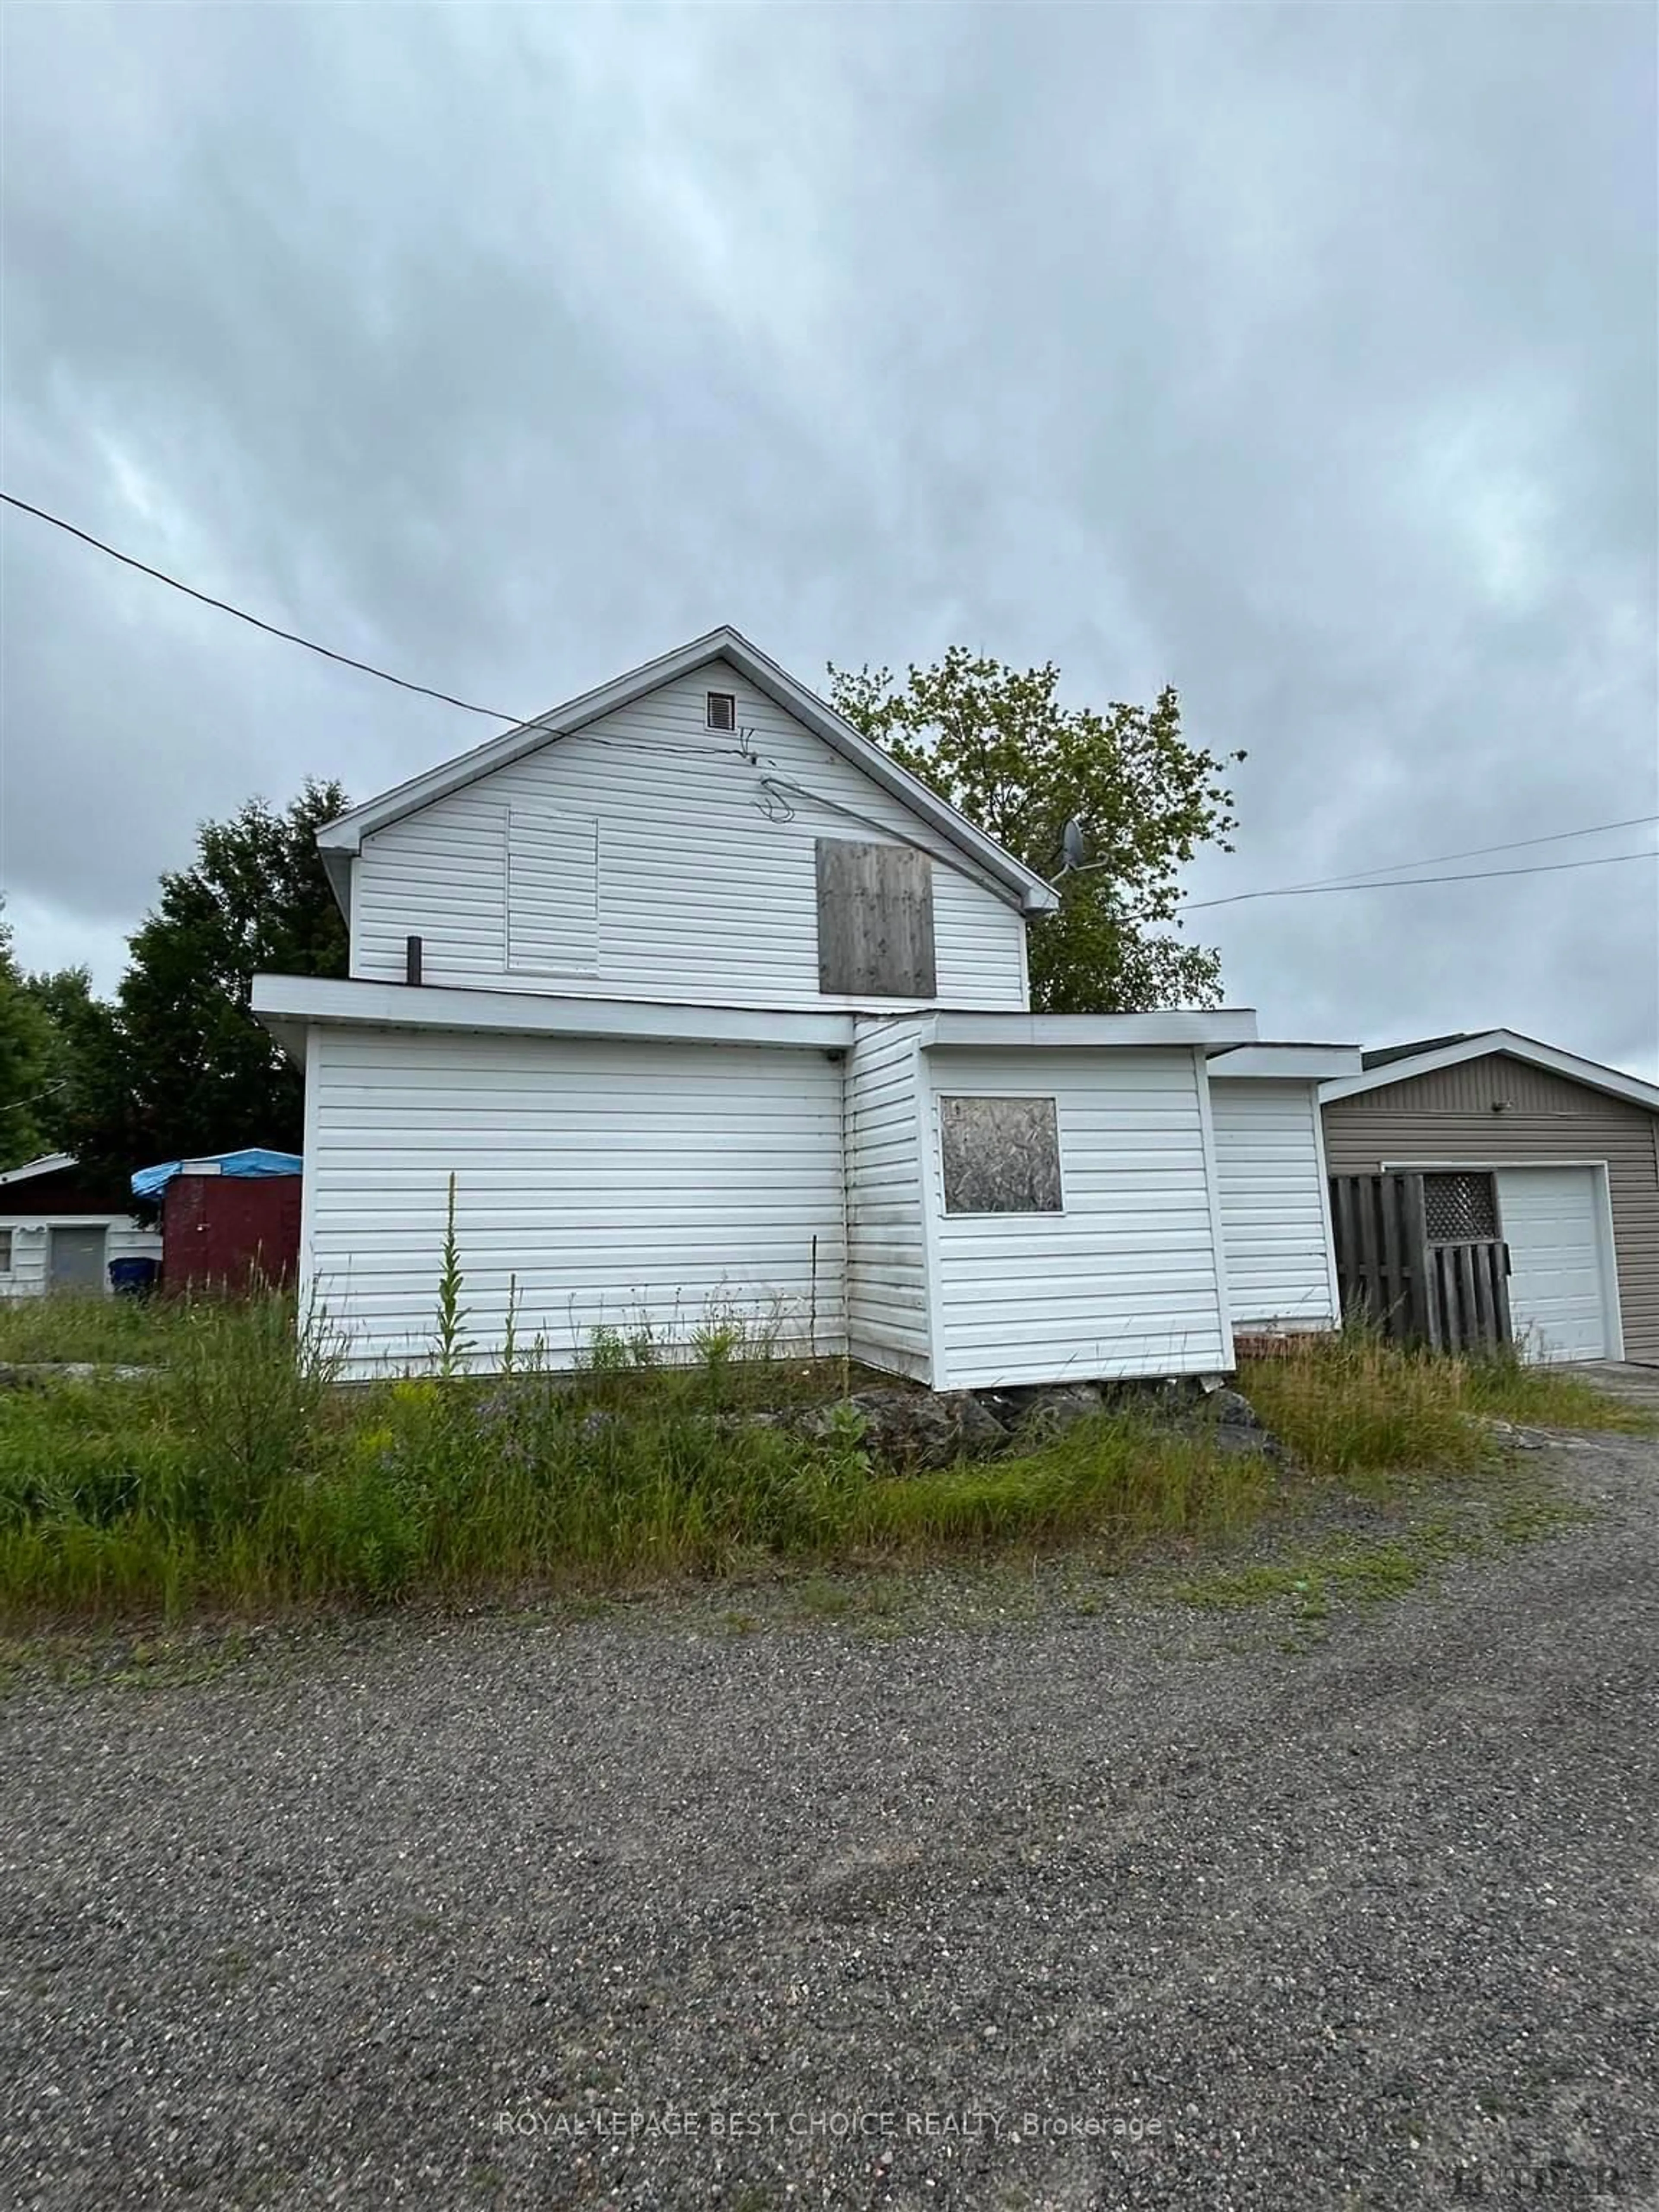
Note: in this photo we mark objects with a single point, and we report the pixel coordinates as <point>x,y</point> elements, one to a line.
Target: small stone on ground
<point>1136,1909</point>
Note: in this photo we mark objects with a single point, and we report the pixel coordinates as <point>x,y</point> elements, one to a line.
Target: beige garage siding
<point>1450,1116</point>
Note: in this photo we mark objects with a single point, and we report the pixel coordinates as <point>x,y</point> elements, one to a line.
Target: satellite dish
<point>1073,845</point>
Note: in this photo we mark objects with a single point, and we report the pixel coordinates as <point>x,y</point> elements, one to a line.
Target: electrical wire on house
<point>777,807</point>
<point>774,788</point>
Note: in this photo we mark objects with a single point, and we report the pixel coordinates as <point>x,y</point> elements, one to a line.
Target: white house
<point>60,1229</point>
<point>706,1008</point>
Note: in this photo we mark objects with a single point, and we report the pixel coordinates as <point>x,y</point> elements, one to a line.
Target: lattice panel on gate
<point>1460,1208</point>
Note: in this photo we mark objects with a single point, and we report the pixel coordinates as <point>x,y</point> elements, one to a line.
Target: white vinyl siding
<point>31,1239</point>
<point>627,1186</point>
<point>552,893</point>
<point>1275,1225</point>
<point>706,881</point>
<point>1127,1280</point>
<point>887,1267</point>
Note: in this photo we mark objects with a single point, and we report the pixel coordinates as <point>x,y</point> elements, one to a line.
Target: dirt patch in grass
<point>1378,1543</point>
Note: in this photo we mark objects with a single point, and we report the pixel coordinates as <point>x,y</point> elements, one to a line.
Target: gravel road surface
<point>1136,1908</point>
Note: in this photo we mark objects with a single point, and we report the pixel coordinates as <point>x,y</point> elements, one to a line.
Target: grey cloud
<point>1304,358</point>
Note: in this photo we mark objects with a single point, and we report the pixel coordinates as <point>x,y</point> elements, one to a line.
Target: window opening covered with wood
<point>1001,1155</point>
<point>875,921</point>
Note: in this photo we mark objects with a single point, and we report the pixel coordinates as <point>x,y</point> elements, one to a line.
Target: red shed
<point>227,1222</point>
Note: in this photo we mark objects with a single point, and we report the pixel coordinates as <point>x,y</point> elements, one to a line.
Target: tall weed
<point>246,1393</point>
<point>239,1475</point>
<point>1355,1400</point>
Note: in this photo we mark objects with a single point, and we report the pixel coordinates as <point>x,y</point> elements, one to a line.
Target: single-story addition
<point>1557,1155</point>
<point>59,1229</point>
<point>705,1009</point>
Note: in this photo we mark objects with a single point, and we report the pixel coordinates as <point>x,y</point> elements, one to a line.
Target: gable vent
<point>722,710</point>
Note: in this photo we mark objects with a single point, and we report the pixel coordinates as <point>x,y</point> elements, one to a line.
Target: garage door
<point>1551,1218</point>
<point>75,1257</point>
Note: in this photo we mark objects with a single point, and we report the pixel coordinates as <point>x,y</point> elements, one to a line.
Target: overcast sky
<point>1303,358</point>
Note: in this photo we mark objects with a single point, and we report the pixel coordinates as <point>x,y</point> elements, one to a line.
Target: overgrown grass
<point>236,1477</point>
<point>1118,1476</point>
<point>1355,1403</point>
<point>1547,1398</point>
<point>88,1326</point>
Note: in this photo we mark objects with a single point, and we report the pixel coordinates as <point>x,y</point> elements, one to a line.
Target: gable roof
<point>48,1163</point>
<point>1384,1053</point>
<point>1399,1063</point>
<point>343,838</point>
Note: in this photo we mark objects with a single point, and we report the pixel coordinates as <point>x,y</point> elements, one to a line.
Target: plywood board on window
<point>875,921</point>
<point>1001,1155</point>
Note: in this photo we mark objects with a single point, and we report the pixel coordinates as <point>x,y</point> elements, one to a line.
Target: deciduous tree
<point>998,743</point>
<point>25,1063</point>
<point>184,1068</point>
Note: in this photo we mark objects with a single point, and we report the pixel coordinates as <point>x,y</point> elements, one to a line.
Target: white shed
<point>60,1229</point>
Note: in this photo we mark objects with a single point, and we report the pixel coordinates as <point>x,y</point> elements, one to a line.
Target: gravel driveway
<point>1138,1908</point>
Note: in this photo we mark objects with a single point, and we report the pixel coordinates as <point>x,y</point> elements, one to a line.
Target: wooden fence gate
<point>1451,1293</point>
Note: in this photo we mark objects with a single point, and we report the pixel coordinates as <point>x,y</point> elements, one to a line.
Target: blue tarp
<point>151,1182</point>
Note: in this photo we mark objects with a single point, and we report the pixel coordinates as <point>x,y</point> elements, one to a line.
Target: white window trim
<point>1607,1249</point>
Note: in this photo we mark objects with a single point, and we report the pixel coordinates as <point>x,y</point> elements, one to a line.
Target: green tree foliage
<point>999,745</point>
<point>79,1030</point>
<point>182,1066</point>
<point>25,1070</point>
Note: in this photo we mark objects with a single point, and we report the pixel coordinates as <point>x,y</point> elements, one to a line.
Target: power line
<point>16,1105</point>
<point>1194,905</point>
<point>291,637</point>
<point>368,668</point>
<point>1429,860</point>
<point>1406,883</point>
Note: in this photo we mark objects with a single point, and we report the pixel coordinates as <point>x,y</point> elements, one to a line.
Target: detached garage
<point>60,1228</point>
<point>1557,1155</point>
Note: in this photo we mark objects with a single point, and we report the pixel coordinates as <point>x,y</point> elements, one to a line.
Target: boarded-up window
<point>875,921</point>
<point>1460,1208</point>
<point>552,893</point>
<point>1001,1155</point>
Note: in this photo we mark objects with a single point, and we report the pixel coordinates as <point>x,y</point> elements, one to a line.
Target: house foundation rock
<point>1229,1409</point>
<point>912,1429</point>
<point>917,1430</point>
